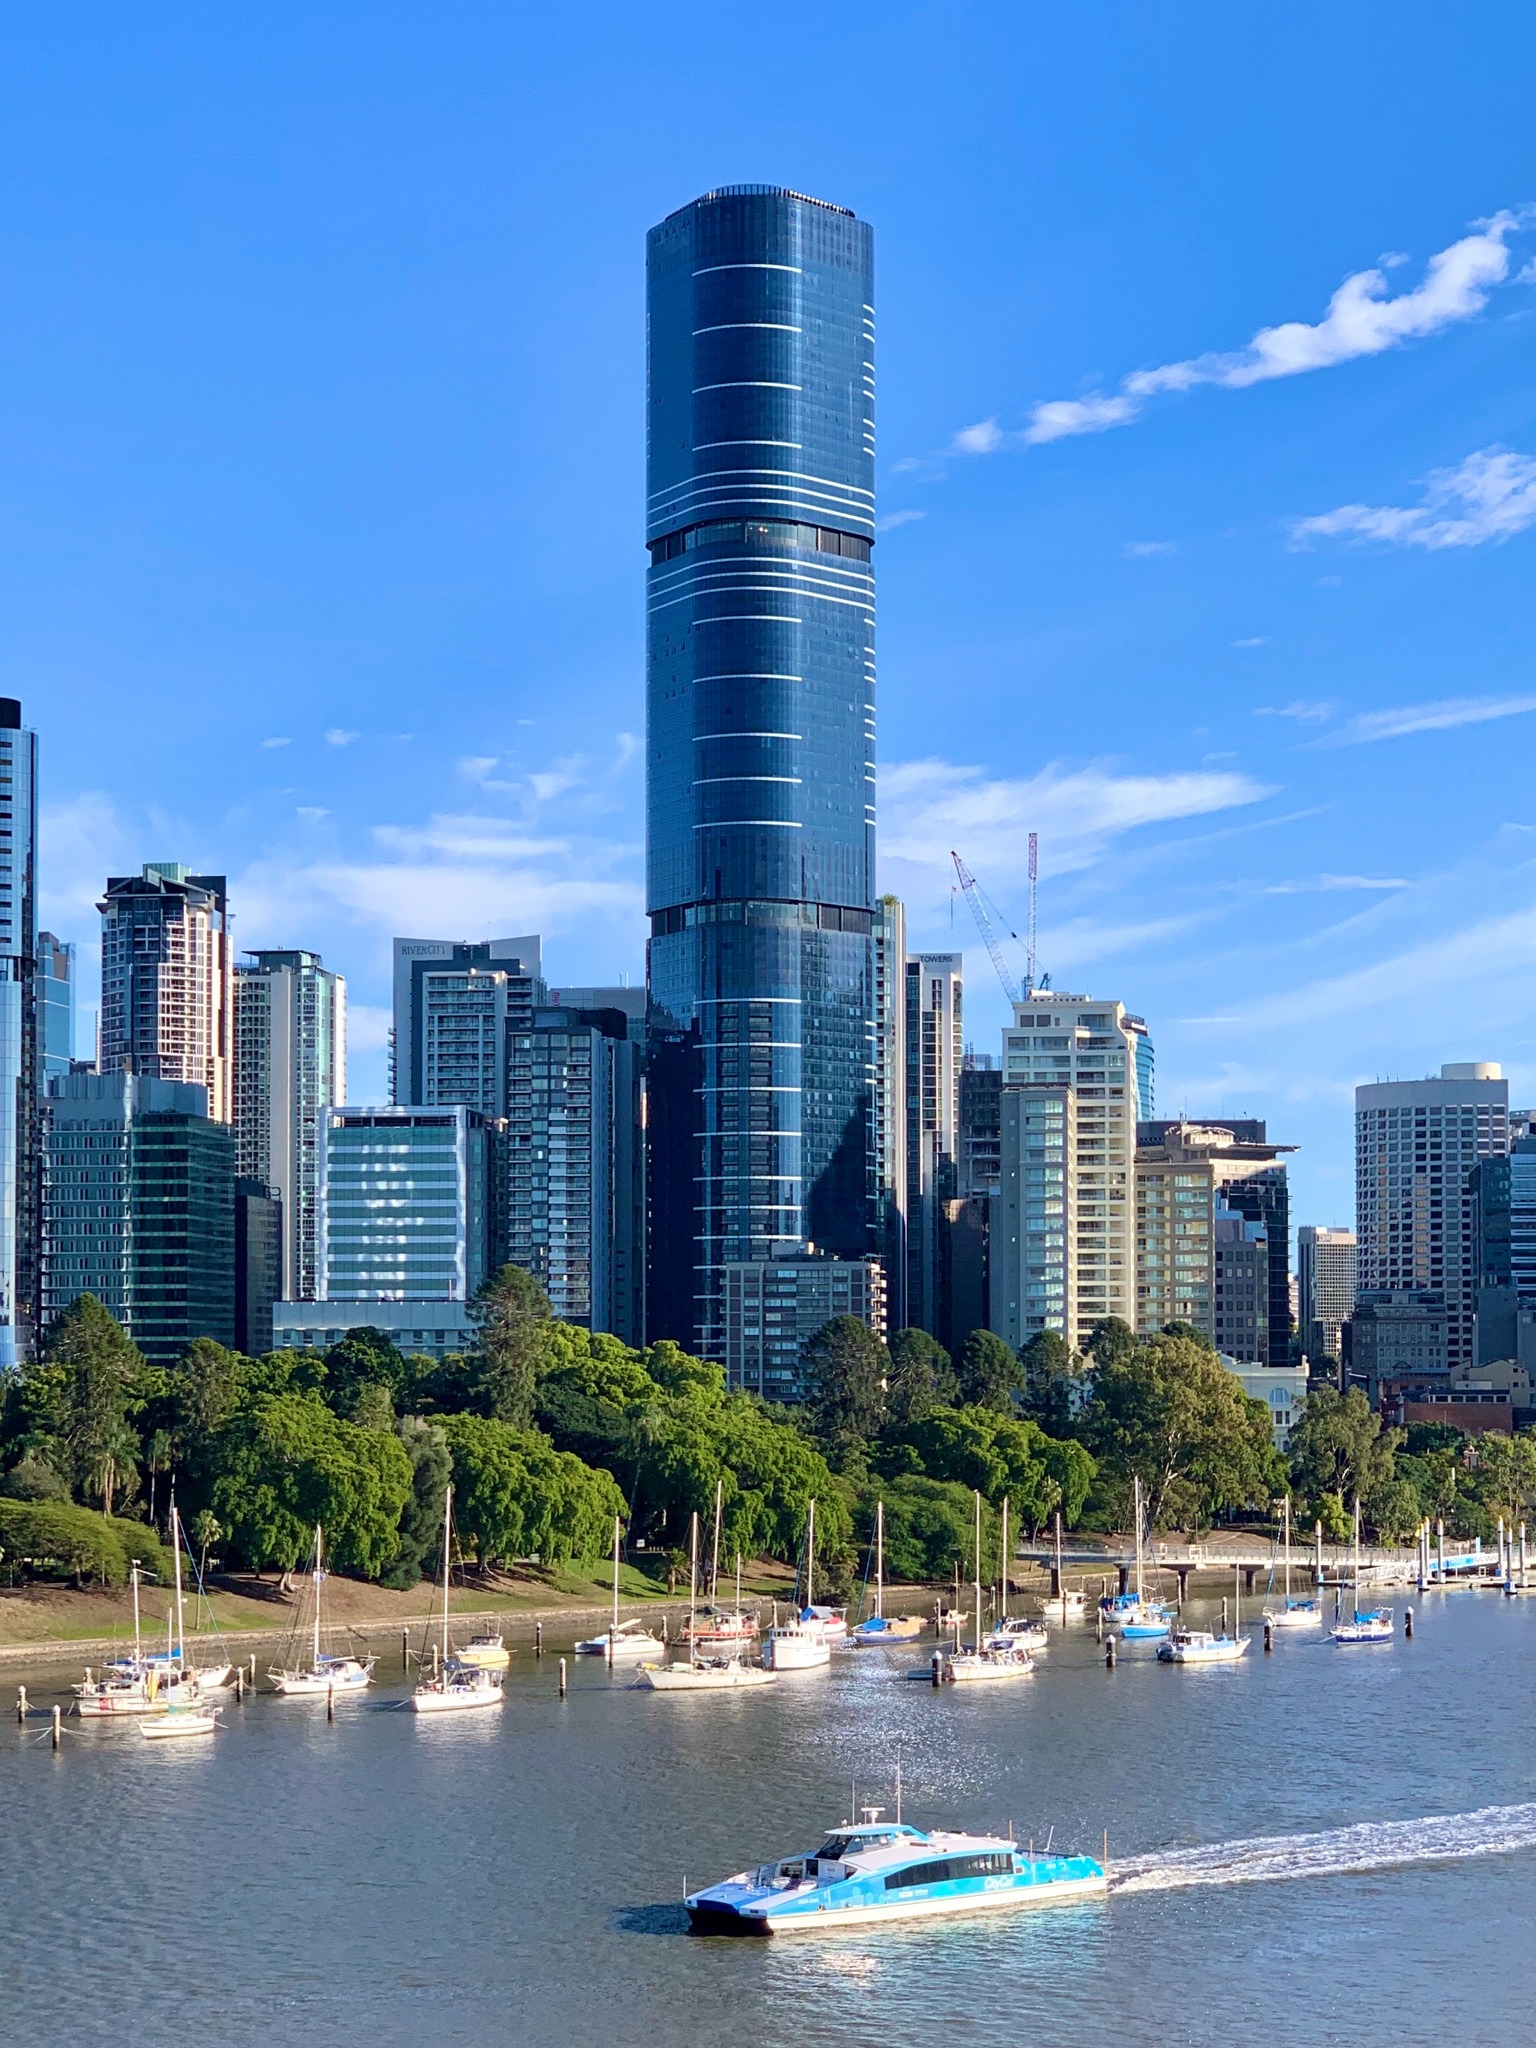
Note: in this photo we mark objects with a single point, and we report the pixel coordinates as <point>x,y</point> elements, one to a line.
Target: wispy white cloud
<point>927,807</point>
<point>338,736</point>
<point>1443,716</point>
<point>1138,548</point>
<point>1305,710</point>
<point>1253,640</point>
<point>1489,496</point>
<point>903,518</point>
<point>79,844</point>
<point>1310,884</point>
<point>1363,319</point>
<point>277,743</point>
<point>312,813</point>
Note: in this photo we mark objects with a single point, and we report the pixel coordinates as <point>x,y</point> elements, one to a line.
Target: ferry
<point>872,1871</point>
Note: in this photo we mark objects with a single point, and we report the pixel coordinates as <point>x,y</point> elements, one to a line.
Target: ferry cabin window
<point>996,1863</point>
<point>836,1847</point>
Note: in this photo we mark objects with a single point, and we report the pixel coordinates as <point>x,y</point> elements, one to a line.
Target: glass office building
<point>404,1204</point>
<point>760,742</point>
<point>55,1006</point>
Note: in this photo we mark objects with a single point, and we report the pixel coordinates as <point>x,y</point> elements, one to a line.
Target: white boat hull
<point>181,1721</point>
<point>317,1684</point>
<point>966,1667</point>
<point>795,1652</point>
<point>1294,1617</point>
<point>1222,1651</point>
<point>455,1699</point>
<point>686,1678</point>
<point>942,1908</point>
<point>624,1649</point>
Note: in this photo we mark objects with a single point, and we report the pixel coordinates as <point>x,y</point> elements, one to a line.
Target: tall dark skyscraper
<point>760,741</point>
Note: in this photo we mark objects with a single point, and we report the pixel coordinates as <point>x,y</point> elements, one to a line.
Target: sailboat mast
<point>615,1575</point>
<point>1060,1587</point>
<point>880,1559</point>
<point>810,1553</point>
<point>447,1538</point>
<point>1003,1589</point>
<point>138,1656</point>
<point>714,1560</point>
<point>1287,1550</point>
<point>1138,1540</point>
<point>316,1665</point>
<point>978,1568</point>
<point>181,1641</point>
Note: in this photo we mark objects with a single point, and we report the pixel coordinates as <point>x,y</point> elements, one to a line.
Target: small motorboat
<point>796,1645</point>
<point>486,1650</point>
<point>869,1871</point>
<point>179,1721</point>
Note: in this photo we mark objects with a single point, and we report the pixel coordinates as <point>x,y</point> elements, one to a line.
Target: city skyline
<point>1159,522</point>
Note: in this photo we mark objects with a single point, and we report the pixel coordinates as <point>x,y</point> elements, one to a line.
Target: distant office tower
<point>964,1295</point>
<point>139,1208</point>
<point>55,1005</point>
<point>1400,1346</point>
<point>773,1308</point>
<point>760,742</point>
<point>935,1031</point>
<point>258,1264</point>
<point>570,1183</point>
<point>1503,1192</point>
<point>457,1002</point>
<point>1077,1074</point>
<point>18,1037</point>
<point>980,1162</point>
<point>890,1147</point>
<point>1240,1296</point>
<point>1416,1143</point>
<point>1325,1274</point>
<point>404,1204</point>
<point>290,1040</point>
<point>1247,1173</point>
<point>165,979</point>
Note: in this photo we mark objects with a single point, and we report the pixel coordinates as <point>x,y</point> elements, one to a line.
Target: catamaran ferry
<point>875,1870</point>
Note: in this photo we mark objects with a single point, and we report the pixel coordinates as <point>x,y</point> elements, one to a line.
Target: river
<point>512,1877</point>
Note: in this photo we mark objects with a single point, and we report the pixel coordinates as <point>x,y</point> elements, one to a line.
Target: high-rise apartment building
<point>935,1047</point>
<point>569,1173</point>
<point>405,1204</point>
<point>139,1208</point>
<point>1077,1075</point>
<point>1416,1143</point>
<point>1248,1176</point>
<point>1325,1287</point>
<point>773,1308</point>
<point>55,1006</point>
<point>456,1004</point>
<point>890,1111</point>
<point>19,1052</point>
<point>1503,1192</point>
<point>165,979</point>
<point>290,1038</point>
<point>760,742</point>
<point>1240,1290</point>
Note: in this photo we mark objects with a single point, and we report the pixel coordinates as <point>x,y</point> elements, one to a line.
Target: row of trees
<point>548,1432</point>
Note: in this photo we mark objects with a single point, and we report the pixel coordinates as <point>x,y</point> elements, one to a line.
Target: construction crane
<point>972,896</point>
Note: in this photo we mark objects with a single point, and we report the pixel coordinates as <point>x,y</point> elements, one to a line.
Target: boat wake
<point>1370,1845</point>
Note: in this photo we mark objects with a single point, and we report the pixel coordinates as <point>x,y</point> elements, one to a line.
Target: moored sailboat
<point>621,1641</point>
<point>454,1687</point>
<point>324,1672</point>
<point>1292,1613</point>
<point>701,1671</point>
<point>801,1642</point>
<point>1200,1646</point>
<point>985,1662</point>
<point>1136,1617</point>
<point>1371,1625</point>
<point>880,1629</point>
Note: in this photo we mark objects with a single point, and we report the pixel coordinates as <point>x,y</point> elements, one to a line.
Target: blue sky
<point>1207,361</point>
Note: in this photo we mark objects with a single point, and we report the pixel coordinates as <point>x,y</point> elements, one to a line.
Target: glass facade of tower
<point>760,742</point>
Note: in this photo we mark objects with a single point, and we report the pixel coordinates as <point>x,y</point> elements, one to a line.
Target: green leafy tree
<point>1111,1341</point>
<point>365,1357</point>
<point>57,1540</point>
<point>32,1478</point>
<point>284,1462</point>
<point>1394,1509</point>
<point>512,1320</point>
<point>1001,1455</point>
<point>1055,1385</point>
<point>370,1406</point>
<point>1338,1446</point>
<point>516,1496</point>
<point>104,1384</point>
<point>990,1375</point>
<point>419,1554</point>
<point>930,1529</point>
<point>1167,1411</point>
<point>921,1378</point>
<point>1504,1474</point>
<point>846,1370</point>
